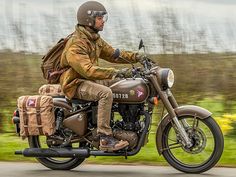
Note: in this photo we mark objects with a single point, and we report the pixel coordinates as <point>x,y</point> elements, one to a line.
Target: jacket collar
<point>89,34</point>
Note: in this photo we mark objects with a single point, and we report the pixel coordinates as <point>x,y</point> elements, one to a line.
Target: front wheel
<point>207,145</point>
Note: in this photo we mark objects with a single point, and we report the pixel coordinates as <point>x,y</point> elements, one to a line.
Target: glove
<point>123,73</point>
<point>140,58</point>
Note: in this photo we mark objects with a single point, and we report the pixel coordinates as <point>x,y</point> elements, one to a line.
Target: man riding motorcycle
<point>81,55</point>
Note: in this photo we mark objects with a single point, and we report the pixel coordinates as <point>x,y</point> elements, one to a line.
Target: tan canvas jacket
<point>81,55</point>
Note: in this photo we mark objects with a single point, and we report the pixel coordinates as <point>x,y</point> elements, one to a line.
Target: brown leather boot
<point>110,144</point>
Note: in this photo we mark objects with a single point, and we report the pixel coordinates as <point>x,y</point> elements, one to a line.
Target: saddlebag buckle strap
<point>38,115</point>
<point>25,116</point>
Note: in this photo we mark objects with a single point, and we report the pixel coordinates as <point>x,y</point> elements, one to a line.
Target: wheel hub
<point>198,139</point>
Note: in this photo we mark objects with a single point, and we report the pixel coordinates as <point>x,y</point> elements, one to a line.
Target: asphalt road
<point>9,169</point>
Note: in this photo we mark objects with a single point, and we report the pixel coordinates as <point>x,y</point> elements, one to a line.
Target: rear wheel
<point>206,150</point>
<point>41,142</point>
<point>54,163</point>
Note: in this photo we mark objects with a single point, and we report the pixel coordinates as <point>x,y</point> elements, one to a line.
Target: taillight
<point>16,118</point>
<point>16,113</point>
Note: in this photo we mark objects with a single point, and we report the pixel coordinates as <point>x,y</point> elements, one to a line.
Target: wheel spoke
<point>173,146</point>
<point>205,154</point>
<point>170,138</point>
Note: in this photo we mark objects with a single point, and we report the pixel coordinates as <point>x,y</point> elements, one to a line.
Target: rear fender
<point>61,102</point>
<point>187,110</point>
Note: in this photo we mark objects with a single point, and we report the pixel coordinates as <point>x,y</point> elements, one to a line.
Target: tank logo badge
<point>120,95</point>
<point>140,93</point>
<point>132,92</point>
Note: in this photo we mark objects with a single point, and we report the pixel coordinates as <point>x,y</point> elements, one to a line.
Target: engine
<point>130,117</point>
<point>128,128</point>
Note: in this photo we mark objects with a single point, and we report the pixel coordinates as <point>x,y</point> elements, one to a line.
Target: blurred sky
<point>200,25</point>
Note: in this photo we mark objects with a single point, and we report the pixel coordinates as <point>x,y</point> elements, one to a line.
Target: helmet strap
<point>91,29</point>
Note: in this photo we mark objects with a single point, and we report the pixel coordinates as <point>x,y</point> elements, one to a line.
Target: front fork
<point>170,104</point>
<point>174,105</point>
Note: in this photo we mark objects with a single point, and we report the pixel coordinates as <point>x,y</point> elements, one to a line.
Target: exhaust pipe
<point>54,152</point>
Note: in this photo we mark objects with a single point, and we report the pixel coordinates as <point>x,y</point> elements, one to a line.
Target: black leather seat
<point>77,101</point>
<point>73,100</point>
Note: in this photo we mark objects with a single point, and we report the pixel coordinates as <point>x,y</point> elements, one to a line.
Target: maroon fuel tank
<point>130,91</point>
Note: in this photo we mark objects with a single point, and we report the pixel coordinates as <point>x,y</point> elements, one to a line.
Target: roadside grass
<point>148,154</point>
<point>9,143</point>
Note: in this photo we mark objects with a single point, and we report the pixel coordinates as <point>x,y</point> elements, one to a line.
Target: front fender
<point>187,110</point>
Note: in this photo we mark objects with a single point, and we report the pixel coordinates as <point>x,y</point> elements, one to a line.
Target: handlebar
<point>142,72</point>
<point>147,65</point>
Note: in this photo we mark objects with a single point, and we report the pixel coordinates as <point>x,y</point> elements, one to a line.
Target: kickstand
<point>126,154</point>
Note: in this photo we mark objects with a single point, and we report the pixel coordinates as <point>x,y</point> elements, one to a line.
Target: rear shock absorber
<point>59,119</point>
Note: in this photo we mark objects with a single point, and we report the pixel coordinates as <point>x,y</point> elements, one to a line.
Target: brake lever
<point>136,72</point>
<point>145,64</point>
<point>150,60</point>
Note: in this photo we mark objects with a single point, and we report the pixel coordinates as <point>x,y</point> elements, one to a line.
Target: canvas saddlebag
<point>36,115</point>
<point>51,90</point>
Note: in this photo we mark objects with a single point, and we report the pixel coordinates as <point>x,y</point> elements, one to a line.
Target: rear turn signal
<point>15,119</point>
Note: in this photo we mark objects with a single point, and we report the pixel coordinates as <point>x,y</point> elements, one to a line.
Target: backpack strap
<point>56,73</point>
<point>38,115</point>
<point>25,116</point>
<point>59,89</point>
<point>69,36</point>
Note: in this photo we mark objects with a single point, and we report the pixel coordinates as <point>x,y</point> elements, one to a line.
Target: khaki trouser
<point>97,91</point>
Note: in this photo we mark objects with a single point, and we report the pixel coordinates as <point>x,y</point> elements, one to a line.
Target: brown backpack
<point>51,62</point>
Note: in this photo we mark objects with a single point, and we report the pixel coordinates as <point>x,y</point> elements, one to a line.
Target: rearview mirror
<point>140,44</point>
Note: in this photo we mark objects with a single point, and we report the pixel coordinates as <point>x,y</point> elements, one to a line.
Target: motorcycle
<point>188,137</point>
